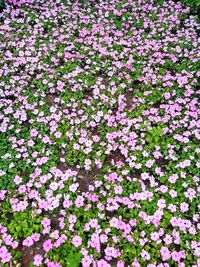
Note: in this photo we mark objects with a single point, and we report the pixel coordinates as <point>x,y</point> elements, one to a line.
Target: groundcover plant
<point>99,134</point>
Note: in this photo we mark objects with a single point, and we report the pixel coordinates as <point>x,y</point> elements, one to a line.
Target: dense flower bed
<point>99,131</point>
<point>20,2</point>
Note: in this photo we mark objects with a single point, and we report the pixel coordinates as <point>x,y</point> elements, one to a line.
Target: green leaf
<point>159,130</point>
<point>18,228</point>
<point>156,139</point>
<point>134,251</point>
<point>74,259</point>
<point>149,139</point>
<point>167,215</point>
<point>189,257</point>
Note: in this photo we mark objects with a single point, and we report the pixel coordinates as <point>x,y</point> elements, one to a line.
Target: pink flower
<point>86,261</point>
<point>33,133</point>
<point>118,189</point>
<point>57,134</point>
<point>72,219</point>
<point>38,260</point>
<point>120,264</point>
<point>35,237</point>
<point>145,255</point>
<point>102,263</point>
<point>150,163</point>
<point>79,202</point>
<point>165,253</point>
<point>17,180</point>
<point>28,242</point>
<point>167,95</point>
<point>77,241</point>
<point>47,245</point>
<point>184,207</point>
<point>176,256</point>
<point>155,236</point>
<point>73,187</point>
<point>168,239</point>
<point>45,222</point>
<point>53,264</point>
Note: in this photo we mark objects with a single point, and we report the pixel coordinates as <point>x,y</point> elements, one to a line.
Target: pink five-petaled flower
<point>38,260</point>
<point>86,261</point>
<point>17,179</point>
<point>165,253</point>
<point>178,255</point>
<point>47,246</point>
<point>28,242</point>
<point>77,241</point>
<point>53,264</point>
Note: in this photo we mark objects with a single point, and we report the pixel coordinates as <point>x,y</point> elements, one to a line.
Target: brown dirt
<point>28,253</point>
<point>162,162</point>
<point>129,99</point>
<point>129,94</point>
<point>62,166</point>
<point>94,130</point>
<point>27,124</point>
<point>84,178</point>
<point>55,221</point>
<point>156,105</point>
<point>111,214</point>
<point>136,174</point>
<point>106,81</point>
<point>50,98</point>
<point>11,97</point>
<point>115,156</point>
<point>88,94</point>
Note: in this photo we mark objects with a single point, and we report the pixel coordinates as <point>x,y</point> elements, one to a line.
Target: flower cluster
<point>19,2</point>
<point>99,130</point>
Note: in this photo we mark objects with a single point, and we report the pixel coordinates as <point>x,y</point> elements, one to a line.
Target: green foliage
<point>66,255</point>
<point>192,3</point>
<point>154,135</point>
<point>2,4</point>
<point>23,224</point>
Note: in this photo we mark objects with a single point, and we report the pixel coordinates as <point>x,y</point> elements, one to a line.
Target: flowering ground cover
<point>99,130</point>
